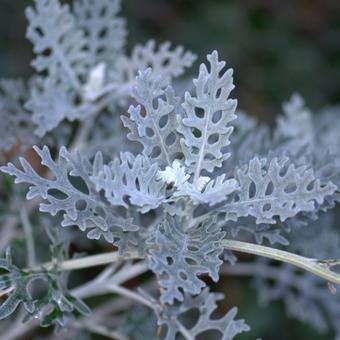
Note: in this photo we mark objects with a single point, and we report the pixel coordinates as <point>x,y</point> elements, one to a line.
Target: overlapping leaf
<point>79,202</point>
<point>278,190</point>
<point>215,191</point>
<point>59,45</point>
<point>129,177</point>
<point>248,139</point>
<point>165,63</point>
<point>226,326</point>
<point>16,124</point>
<point>261,232</point>
<point>205,124</point>
<point>52,308</point>
<point>105,32</point>
<point>50,105</point>
<point>295,127</point>
<point>156,127</point>
<point>178,257</point>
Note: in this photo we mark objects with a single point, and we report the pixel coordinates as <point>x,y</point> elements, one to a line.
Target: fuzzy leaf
<point>295,127</point>
<point>165,63</point>
<point>59,45</point>
<point>156,129</point>
<point>179,256</point>
<point>261,232</point>
<point>278,190</point>
<point>205,124</point>
<point>215,191</point>
<point>50,308</point>
<point>129,176</point>
<point>247,140</point>
<point>16,124</point>
<point>50,105</point>
<point>105,32</point>
<point>226,326</point>
<point>73,193</point>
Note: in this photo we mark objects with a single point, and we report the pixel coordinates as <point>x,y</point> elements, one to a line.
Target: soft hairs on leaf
<point>193,185</point>
<point>295,127</point>
<point>52,28</point>
<point>63,195</point>
<point>88,45</point>
<point>156,128</point>
<point>50,103</point>
<point>214,191</point>
<point>165,63</point>
<point>227,326</point>
<point>18,291</point>
<point>278,189</point>
<point>132,177</point>
<point>105,32</point>
<point>16,124</point>
<point>181,256</point>
<point>60,48</point>
<point>205,123</point>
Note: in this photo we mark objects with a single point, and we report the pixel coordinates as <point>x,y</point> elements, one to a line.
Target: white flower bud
<point>95,81</point>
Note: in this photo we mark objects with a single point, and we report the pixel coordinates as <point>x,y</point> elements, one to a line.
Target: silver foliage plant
<point>193,181</point>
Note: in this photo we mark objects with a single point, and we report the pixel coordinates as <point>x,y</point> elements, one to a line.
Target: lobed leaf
<point>278,190</point>
<point>155,128</point>
<point>129,177</point>
<point>164,62</point>
<point>205,124</point>
<point>105,32</point>
<point>226,326</point>
<point>79,202</point>
<point>16,125</point>
<point>59,45</point>
<point>178,257</point>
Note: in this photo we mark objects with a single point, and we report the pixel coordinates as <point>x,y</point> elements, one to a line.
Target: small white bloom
<point>174,174</point>
<point>95,81</point>
<point>167,175</point>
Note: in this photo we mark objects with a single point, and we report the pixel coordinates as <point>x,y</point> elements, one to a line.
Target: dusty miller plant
<point>194,184</point>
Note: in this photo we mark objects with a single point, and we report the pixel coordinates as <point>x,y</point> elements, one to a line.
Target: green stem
<point>314,266</point>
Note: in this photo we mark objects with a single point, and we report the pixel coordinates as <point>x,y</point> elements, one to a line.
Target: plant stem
<point>99,284</point>
<point>101,330</point>
<point>129,294</point>
<point>8,230</point>
<point>319,268</point>
<point>84,262</point>
<point>314,266</point>
<point>28,231</point>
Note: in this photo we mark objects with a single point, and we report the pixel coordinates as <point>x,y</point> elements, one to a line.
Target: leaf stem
<point>313,266</point>
<point>80,263</point>
<point>28,230</point>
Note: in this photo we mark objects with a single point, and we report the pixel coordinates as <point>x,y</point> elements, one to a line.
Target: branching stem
<point>320,268</point>
<point>80,263</point>
<point>316,267</point>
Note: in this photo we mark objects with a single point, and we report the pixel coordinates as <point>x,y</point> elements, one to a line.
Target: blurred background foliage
<point>275,47</point>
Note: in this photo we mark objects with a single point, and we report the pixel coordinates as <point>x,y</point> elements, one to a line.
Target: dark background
<point>275,47</point>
